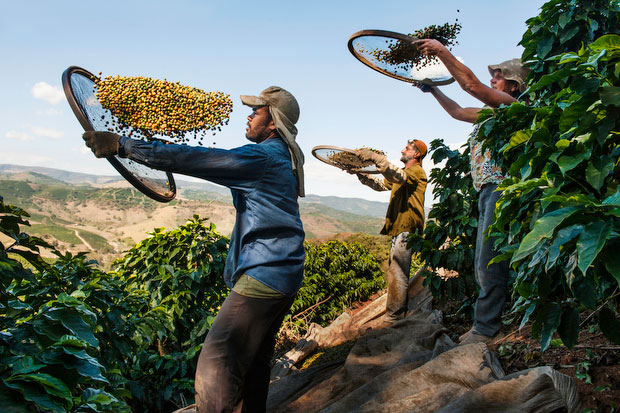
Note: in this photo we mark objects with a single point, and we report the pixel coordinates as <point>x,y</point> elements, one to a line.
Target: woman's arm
<point>454,109</point>
<point>463,75</point>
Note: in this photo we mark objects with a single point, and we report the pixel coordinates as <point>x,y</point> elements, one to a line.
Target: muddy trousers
<point>235,361</point>
<point>492,279</point>
<point>398,278</point>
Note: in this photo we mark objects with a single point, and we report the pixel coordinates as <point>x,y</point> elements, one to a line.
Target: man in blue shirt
<point>265,261</point>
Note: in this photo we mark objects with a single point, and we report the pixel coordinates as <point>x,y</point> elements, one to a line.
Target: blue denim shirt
<point>267,240</point>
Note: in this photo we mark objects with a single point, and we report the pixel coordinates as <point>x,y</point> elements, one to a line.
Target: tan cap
<point>277,97</point>
<point>284,111</point>
<point>512,69</point>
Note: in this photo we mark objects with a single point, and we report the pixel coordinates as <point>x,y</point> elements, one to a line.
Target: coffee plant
<point>558,218</point>
<point>74,338</point>
<point>50,347</point>
<point>451,225</point>
<point>336,274</point>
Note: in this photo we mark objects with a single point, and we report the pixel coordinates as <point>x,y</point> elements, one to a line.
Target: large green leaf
<point>610,95</point>
<point>543,228</point>
<point>612,259</point>
<point>568,162</point>
<point>591,241</point>
<point>613,199</point>
<point>518,138</point>
<point>598,170</point>
<point>37,395</point>
<point>574,112</point>
<point>52,385</point>
<point>584,291</point>
<point>10,404</point>
<point>551,324</point>
<point>608,41</point>
<point>74,322</point>
<point>569,327</point>
<point>563,236</point>
<point>610,326</point>
<point>26,364</point>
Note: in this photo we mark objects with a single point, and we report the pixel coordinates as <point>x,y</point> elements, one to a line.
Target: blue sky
<point>241,47</point>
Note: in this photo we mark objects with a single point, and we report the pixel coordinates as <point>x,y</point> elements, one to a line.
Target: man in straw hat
<point>405,214</point>
<point>507,84</point>
<point>264,267</point>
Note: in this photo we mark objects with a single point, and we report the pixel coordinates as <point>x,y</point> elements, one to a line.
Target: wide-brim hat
<point>512,69</point>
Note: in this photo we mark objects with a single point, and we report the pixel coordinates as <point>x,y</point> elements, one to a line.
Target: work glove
<point>103,144</point>
<point>367,155</point>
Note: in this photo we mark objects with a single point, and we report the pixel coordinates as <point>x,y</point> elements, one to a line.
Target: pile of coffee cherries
<point>406,56</point>
<point>143,107</point>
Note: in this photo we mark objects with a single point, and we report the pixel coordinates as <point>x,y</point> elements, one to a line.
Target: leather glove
<point>103,144</point>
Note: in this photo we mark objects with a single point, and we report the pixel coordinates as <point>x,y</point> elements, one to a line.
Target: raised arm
<point>463,75</point>
<point>454,109</point>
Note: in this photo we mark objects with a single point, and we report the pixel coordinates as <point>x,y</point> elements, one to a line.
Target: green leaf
<point>9,404</point>
<point>569,34</point>
<point>543,228</point>
<point>551,324</point>
<point>608,41</point>
<point>518,138</point>
<point>612,260</point>
<point>527,314</point>
<point>567,163</point>
<point>544,47</point>
<point>26,364</point>
<point>572,113</point>
<point>613,199</point>
<point>562,237</point>
<point>584,291</point>
<point>610,326</point>
<point>569,327</point>
<point>591,242</point>
<point>597,170</point>
<point>74,323</point>
<point>53,385</point>
<point>610,95</point>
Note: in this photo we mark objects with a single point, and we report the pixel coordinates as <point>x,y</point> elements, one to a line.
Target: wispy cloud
<point>45,91</point>
<point>20,136</point>
<point>86,150</point>
<point>49,112</point>
<point>46,132</point>
<point>24,159</point>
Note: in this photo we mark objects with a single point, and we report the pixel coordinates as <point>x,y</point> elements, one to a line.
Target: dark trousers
<point>492,279</point>
<point>235,360</point>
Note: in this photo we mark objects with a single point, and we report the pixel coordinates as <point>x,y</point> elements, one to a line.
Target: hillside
<point>104,215</point>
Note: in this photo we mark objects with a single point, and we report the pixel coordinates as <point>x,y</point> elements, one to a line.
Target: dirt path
<point>77,234</point>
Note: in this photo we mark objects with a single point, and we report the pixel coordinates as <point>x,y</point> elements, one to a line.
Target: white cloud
<point>50,112</point>
<point>21,136</point>
<point>45,91</point>
<point>24,159</point>
<point>46,132</point>
<point>84,150</point>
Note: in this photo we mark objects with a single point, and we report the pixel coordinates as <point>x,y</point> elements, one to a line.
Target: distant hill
<point>202,190</point>
<point>104,215</point>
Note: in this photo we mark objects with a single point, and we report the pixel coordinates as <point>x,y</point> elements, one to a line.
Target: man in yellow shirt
<point>405,214</point>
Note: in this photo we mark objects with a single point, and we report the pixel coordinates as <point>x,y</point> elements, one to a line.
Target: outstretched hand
<point>366,154</point>
<point>422,86</point>
<point>429,47</point>
<point>103,144</point>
